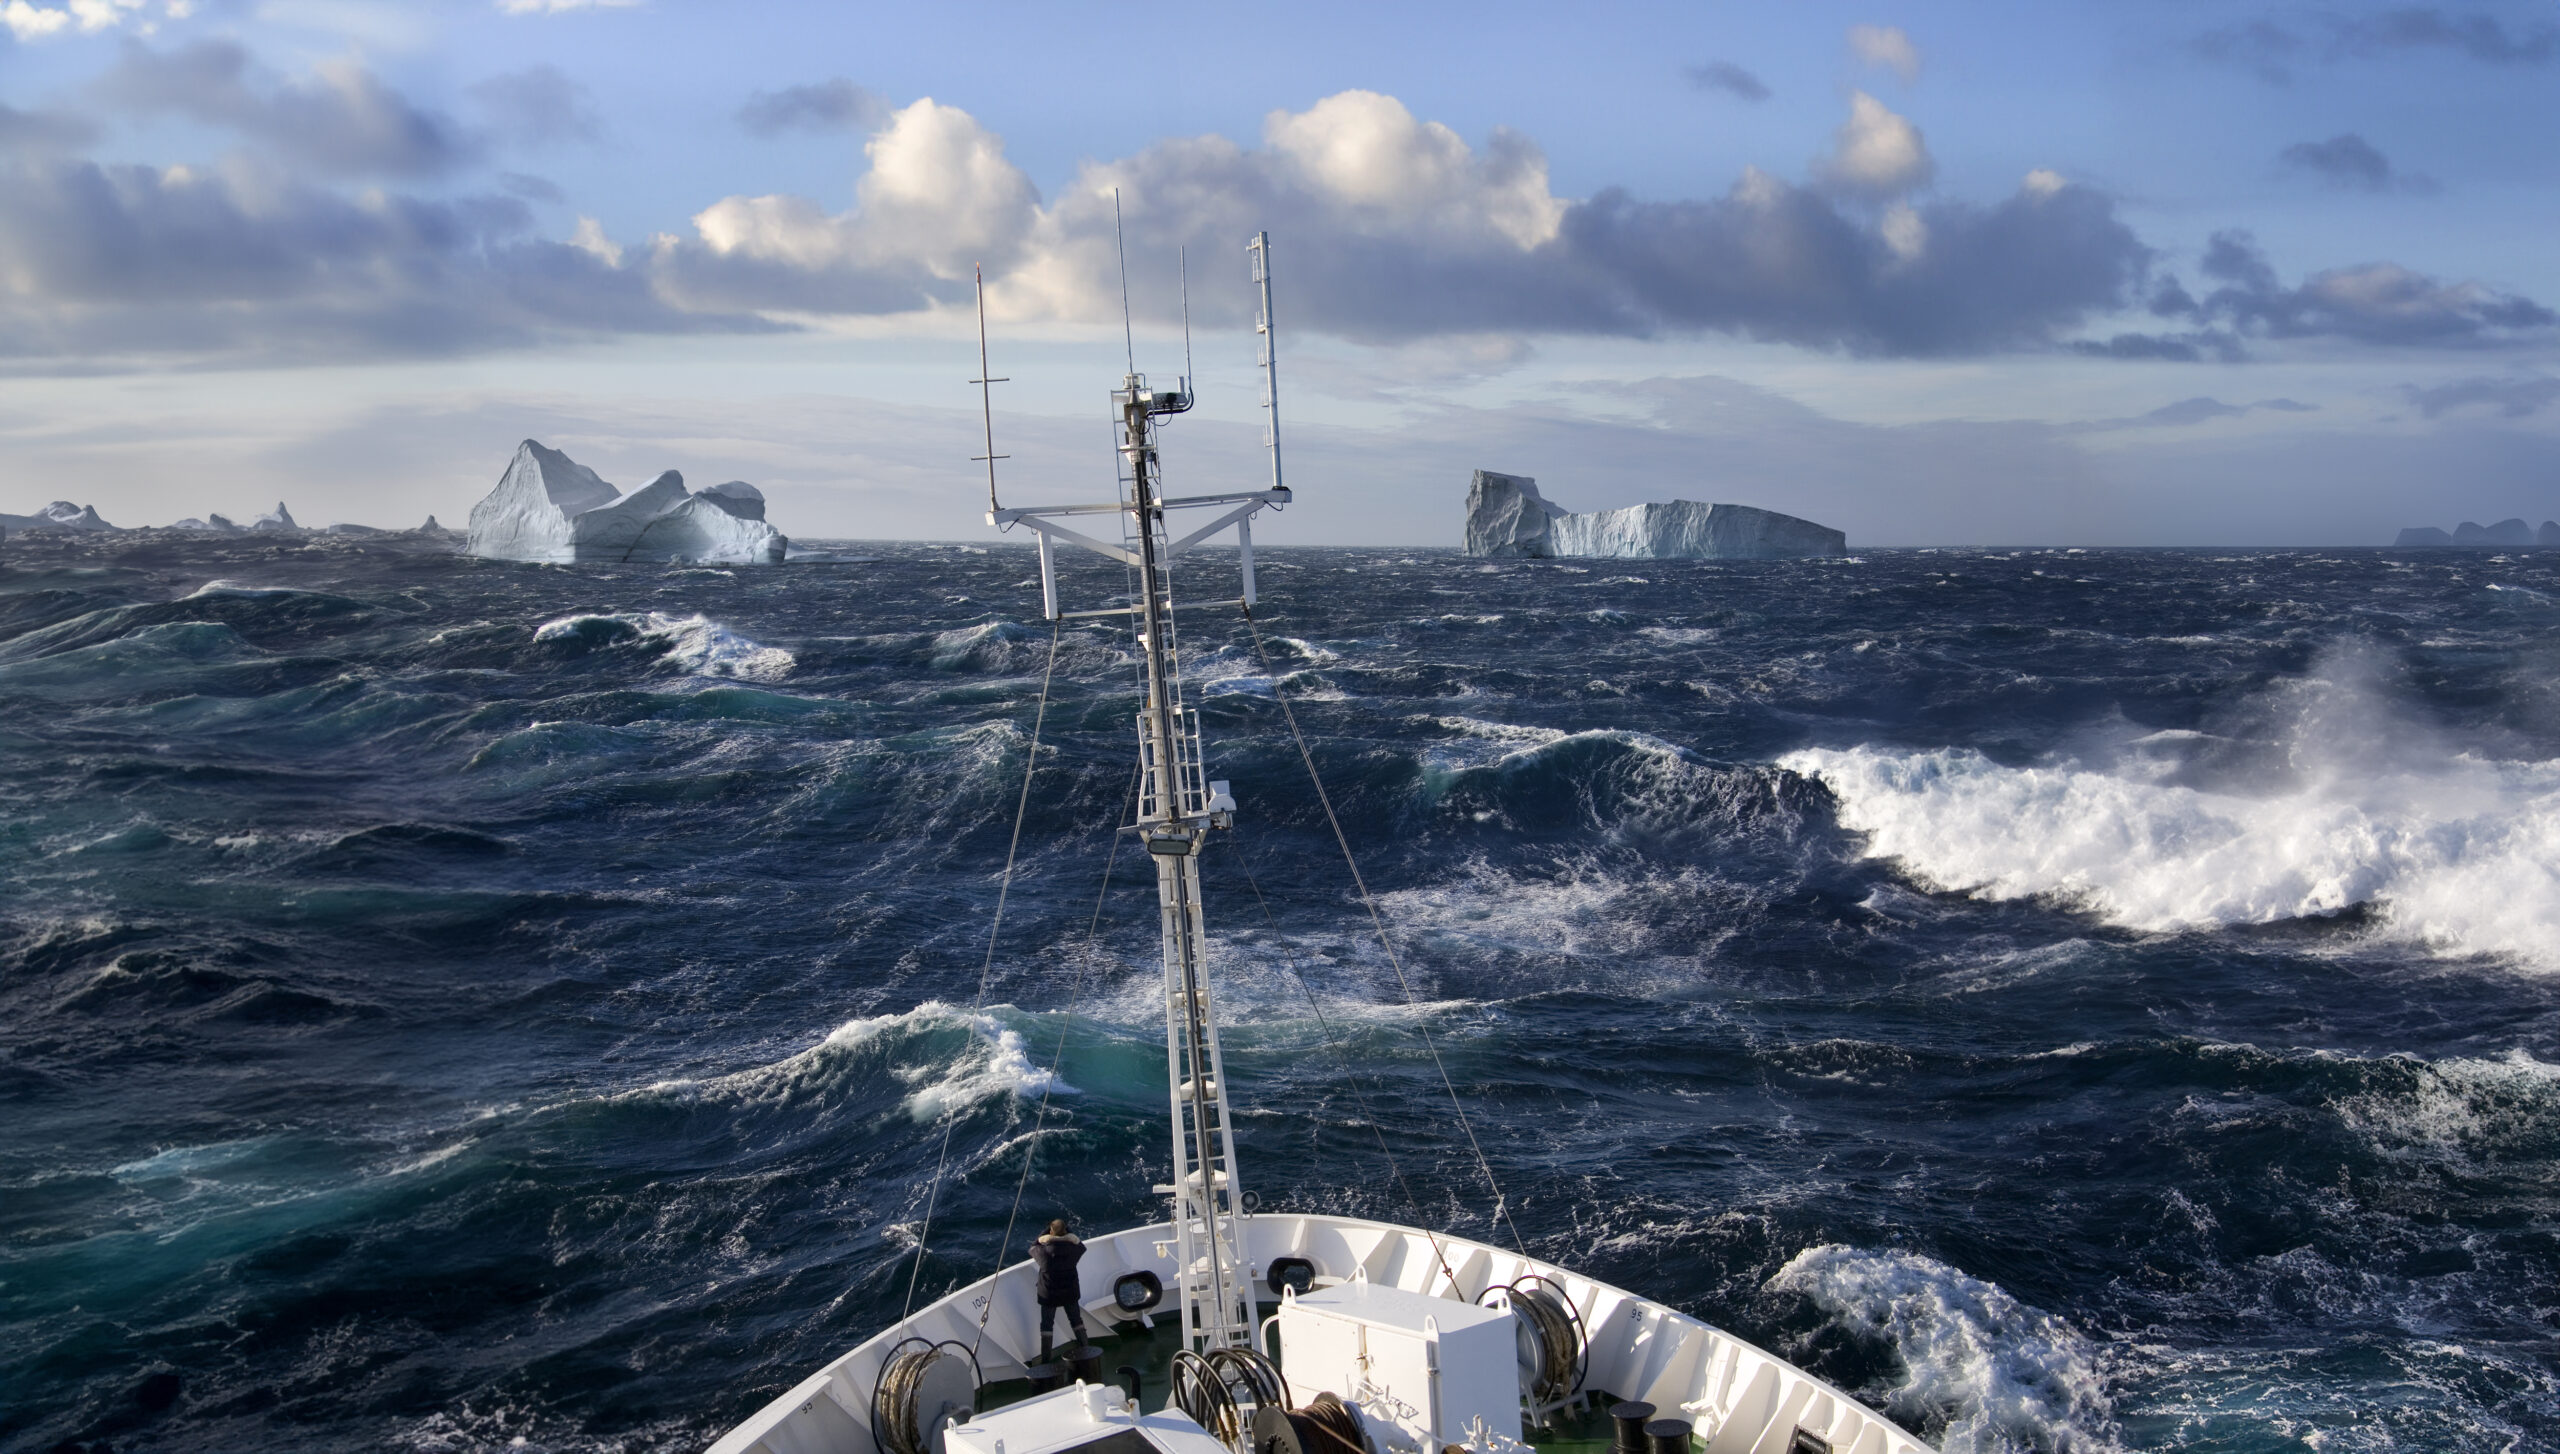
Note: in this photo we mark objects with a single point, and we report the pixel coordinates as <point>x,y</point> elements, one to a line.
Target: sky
<point>1985,274</point>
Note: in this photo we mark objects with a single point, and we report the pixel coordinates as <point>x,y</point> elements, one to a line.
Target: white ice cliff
<point>549,507</point>
<point>1506,516</point>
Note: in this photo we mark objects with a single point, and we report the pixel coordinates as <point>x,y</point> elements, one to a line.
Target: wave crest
<point>696,643</point>
<point>2002,1375</point>
<point>2465,859</point>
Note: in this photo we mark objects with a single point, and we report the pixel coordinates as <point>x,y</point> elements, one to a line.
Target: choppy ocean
<point>2076,1000</point>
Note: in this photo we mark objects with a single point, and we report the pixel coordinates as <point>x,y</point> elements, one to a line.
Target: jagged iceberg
<point>279,518</point>
<point>60,515</point>
<point>549,507</point>
<point>1506,516</point>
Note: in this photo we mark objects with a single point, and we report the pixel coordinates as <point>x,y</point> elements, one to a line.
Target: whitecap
<point>2002,1374</point>
<point>702,646</point>
<point>2461,855</point>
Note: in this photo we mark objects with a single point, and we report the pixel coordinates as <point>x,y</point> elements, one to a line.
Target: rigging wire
<point>1335,1042</point>
<point>1058,1056</point>
<point>951,1112</point>
<point>1501,1205</point>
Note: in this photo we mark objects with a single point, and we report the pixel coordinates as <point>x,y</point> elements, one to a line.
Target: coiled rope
<point>898,1398</point>
<point>986,968</point>
<point>1501,1207</point>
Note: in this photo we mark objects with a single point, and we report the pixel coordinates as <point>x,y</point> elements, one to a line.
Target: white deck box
<point>1430,1366</point>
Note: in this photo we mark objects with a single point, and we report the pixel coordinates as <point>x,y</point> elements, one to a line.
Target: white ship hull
<point>1741,1400</point>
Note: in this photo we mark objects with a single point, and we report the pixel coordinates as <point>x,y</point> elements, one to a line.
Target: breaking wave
<point>2001,1375</point>
<point>696,643</point>
<point>993,1061</point>
<point>2465,859</point>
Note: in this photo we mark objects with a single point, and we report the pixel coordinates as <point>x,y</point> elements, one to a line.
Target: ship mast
<point>1177,809</point>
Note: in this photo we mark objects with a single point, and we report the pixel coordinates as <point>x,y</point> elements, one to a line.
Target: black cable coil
<point>1224,1389</point>
<point>1561,1352</point>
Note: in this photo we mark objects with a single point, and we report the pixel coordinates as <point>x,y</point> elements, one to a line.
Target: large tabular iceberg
<point>549,507</point>
<point>1506,516</point>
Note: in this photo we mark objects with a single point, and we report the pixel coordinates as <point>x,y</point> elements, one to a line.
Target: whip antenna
<point>986,395</point>
<point>1260,247</point>
<point>1128,337</point>
<point>1183,257</point>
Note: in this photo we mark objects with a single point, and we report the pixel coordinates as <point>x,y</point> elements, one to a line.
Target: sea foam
<point>2003,1375</point>
<point>702,646</point>
<point>2328,792</point>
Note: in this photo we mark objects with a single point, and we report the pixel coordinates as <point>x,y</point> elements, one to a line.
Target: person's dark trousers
<point>1049,1320</point>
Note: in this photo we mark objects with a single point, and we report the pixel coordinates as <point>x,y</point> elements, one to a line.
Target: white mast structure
<point>1176,811</point>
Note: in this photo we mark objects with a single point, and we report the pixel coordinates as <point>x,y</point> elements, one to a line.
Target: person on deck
<point>1056,1254</point>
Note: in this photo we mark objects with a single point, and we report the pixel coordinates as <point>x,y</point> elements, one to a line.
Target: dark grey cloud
<point>124,261</point>
<point>24,132</point>
<point>1787,264</point>
<point>340,121</point>
<point>830,105</point>
<point>2199,410</point>
<point>1729,78</point>
<point>2372,303</point>
<point>2478,36</point>
<point>530,187</point>
<point>2511,398</point>
<point>2348,160</point>
<point>2273,50</point>
<point>538,107</point>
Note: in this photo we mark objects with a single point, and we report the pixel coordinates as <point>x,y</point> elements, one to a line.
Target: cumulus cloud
<point>831,105</point>
<point>940,198</point>
<point>1398,230</point>
<point>2348,160</point>
<point>1877,152</point>
<point>2511,398</point>
<point>1729,78</point>
<point>1886,46</point>
<point>27,21</point>
<point>341,121</point>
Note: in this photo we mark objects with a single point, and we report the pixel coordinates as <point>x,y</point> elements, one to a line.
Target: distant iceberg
<point>276,519</point>
<point>61,515</point>
<point>2509,532</point>
<point>549,507</point>
<point>1506,516</point>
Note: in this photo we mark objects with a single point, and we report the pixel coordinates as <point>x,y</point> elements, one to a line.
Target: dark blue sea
<point>2074,1000</point>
